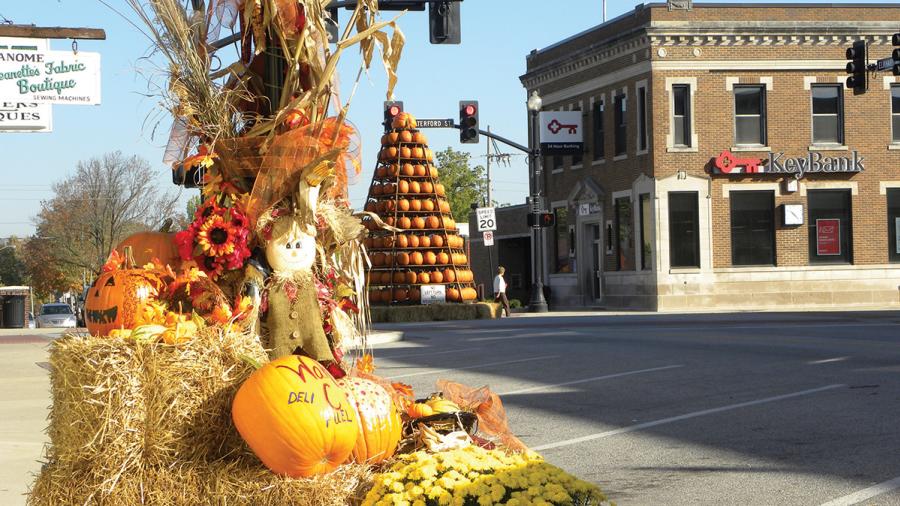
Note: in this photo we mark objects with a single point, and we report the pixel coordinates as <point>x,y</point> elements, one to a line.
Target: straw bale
<point>434,312</point>
<point>225,482</point>
<point>119,406</point>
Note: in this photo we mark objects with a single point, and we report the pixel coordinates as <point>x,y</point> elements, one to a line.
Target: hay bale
<point>232,482</point>
<point>119,406</point>
<point>434,312</point>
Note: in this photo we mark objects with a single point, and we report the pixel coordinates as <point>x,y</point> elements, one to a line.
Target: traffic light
<point>468,121</point>
<point>856,67</point>
<point>391,109</point>
<point>544,220</point>
<point>895,40</point>
<point>443,22</point>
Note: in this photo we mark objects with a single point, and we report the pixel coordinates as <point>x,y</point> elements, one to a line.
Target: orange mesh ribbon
<point>487,406</point>
<point>297,151</point>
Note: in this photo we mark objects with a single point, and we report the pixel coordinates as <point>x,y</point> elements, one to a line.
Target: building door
<point>593,256</point>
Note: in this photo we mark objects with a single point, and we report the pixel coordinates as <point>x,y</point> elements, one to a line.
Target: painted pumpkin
<point>377,418</point>
<point>116,299</point>
<point>295,417</point>
<point>145,246</point>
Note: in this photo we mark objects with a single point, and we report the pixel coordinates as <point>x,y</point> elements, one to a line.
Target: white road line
<point>429,353</point>
<point>866,493</point>
<point>438,371</point>
<point>548,333</point>
<point>586,380</point>
<point>633,428</point>
<point>828,360</point>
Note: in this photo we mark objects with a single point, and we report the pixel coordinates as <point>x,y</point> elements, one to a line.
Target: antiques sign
<point>778,163</point>
<point>24,116</point>
<point>60,77</point>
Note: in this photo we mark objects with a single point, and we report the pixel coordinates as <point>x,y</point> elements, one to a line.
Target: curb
<point>383,337</point>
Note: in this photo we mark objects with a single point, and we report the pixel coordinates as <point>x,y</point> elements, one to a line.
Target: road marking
<point>654,423</point>
<point>828,360</point>
<point>866,493</point>
<point>549,333</point>
<point>438,371</point>
<point>430,353</point>
<point>586,380</point>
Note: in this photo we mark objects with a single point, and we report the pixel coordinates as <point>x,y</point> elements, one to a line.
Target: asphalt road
<point>748,408</point>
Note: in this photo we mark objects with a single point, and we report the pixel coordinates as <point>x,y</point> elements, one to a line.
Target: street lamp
<point>537,304</point>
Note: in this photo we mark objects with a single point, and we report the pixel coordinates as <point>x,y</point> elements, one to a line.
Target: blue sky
<point>496,36</point>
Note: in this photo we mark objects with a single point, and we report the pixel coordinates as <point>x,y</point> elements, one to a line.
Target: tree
<point>465,185</point>
<point>107,199</point>
<point>12,271</point>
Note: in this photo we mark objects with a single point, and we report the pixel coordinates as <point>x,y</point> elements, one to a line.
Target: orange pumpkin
<point>433,222</point>
<point>406,136</point>
<point>393,170</point>
<point>444,206</point>
<point>416,258</point>
<point>437,277</point>
<point>402,241</point>
<point>374,296</point>
<point>414,294</point>
<point>381,171</point>
<point>410,277</point>
<point>403,204</point>
<point>452,294</point>
<point>413,241</point>
<point>408,169</point>
<point>424,241</point>
<point>393,137</point>
<point>377,418</point>
<point>437,241</point>
<point>414,187</point>
<point>424,278</point>
<point>439,189</point>
<point>145,246</point>
<point>405,223</point>
<point>295,417</point>
<point>418,222</point>
<point>428,204</point>
<point>400,294</point>
<point>468,293</point>
<point>430,258</point>
<point>432,171</point>
<point>419,169</point>
<point>427,187</point>
<point>444,259</point>
<point>419,138</point>
<point>449,275</point>
<point>403,120</point>
<point>415,205</point>
<point>403,258</point>
<point>399,277</point>
<point>404,186</point>
<point>405,152</point>
<point>418,152</point>
<point>117,298</point>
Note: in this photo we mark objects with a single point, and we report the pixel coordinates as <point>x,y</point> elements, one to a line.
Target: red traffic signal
<point>541,220</point>
<point>468,121</point>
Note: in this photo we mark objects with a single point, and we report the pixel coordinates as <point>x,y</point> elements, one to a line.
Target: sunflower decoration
<point>218,238</point>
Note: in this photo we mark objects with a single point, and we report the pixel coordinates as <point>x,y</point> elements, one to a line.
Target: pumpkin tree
<point>421,245</point>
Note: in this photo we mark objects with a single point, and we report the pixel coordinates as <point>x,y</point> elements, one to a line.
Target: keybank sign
<point>778,163</point>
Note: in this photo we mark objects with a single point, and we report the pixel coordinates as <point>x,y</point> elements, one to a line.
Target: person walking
<point>500,289</point>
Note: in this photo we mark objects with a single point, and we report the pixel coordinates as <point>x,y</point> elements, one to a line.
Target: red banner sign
<point>828,237</point>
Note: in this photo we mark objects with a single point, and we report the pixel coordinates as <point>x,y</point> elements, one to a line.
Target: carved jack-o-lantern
<point>117,298</point>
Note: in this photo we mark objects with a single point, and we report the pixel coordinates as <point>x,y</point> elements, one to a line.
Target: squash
<point>295,417</point>
<point>377,418</point>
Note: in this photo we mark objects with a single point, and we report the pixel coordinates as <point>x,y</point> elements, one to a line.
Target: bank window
<point>624,235</point>
<point>646,243</point>
<point>750,115</point>
<point>619,118</point>
<point>893,205</point>
<point>827,114</point>
<point>599,151</point>
<point>684,230</point>
<point>642,118</point>
<point>830,230</point>
<point>752,227</point>
<point>561,239</point>
<point>681,115</point>
<point>895,113</point>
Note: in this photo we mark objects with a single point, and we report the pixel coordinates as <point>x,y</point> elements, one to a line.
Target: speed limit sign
<point>487,219</point>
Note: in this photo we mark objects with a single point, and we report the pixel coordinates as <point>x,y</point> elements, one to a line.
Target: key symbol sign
<point>555,126</point>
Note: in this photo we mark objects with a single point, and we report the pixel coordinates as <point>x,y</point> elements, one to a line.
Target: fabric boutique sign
<point>778,163</point>
<point>63,77</point>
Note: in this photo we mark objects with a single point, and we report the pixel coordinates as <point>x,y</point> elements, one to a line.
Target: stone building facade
<point>725,162</point>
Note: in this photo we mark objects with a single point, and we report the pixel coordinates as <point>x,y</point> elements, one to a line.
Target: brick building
<point>725,162</point>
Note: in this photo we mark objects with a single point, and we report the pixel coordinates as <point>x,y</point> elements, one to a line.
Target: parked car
<point>56,315</point>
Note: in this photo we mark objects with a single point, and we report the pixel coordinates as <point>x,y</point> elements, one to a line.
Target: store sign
<point>58,77</point>
<point>828,237</point>
<point>778,163</point>
<point>587,209</point>
<point>561,132</point>
<point>433,294</point>
<point>18,115</point>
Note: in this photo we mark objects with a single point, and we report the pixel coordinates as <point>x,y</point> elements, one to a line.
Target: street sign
<point>885,64</point>
<point>433,294</point>
<point>487,219</point>
<point>488,237</point>
<point>434,123</point>
<point>561,132</point>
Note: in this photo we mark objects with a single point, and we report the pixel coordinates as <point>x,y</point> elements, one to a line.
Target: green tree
<point>12,271</point>
<point>464,184</point>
